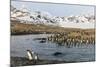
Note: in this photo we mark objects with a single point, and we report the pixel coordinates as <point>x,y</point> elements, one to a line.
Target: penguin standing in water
<point>32,55</point>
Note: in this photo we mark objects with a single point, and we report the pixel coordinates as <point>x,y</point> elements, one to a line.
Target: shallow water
<point>20,43</point>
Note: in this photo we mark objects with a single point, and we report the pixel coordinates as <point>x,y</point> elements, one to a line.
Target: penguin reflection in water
<point>32,56</point>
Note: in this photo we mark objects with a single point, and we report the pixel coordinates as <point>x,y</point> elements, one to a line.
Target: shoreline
<point>23,61</point>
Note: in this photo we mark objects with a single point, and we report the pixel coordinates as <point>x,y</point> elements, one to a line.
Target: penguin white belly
<point>30,56</point>
<point>35,57</point>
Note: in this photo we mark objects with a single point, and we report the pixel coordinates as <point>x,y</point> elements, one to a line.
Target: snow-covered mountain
<point>41,17</point>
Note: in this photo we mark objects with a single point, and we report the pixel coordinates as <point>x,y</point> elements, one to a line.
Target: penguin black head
<point>28,50</point>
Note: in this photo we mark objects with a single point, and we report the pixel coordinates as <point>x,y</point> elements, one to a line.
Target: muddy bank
<point>22,61</point>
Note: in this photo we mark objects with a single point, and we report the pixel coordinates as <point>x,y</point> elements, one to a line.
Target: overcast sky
<point>56,9</point>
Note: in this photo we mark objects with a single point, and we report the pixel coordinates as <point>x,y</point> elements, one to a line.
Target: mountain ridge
<point>40,17</point>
